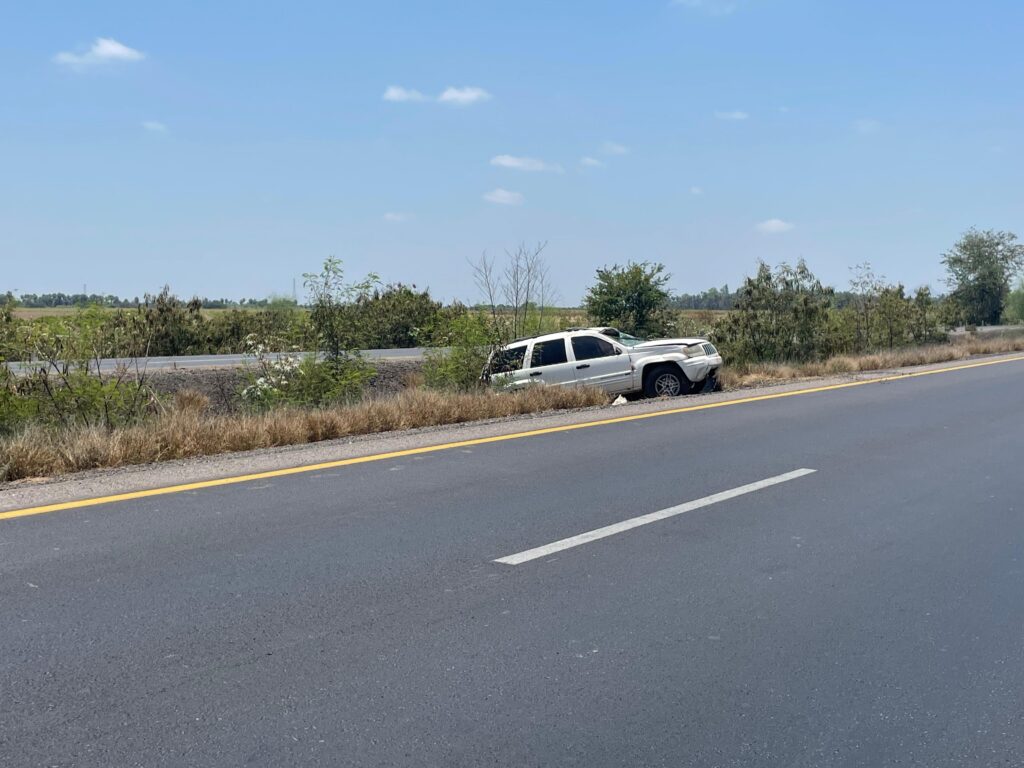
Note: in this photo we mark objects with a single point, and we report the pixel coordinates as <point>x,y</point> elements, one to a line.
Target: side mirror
<point>618,350</point>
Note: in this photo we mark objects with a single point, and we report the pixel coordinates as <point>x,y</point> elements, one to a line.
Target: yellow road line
<point>476,441</point>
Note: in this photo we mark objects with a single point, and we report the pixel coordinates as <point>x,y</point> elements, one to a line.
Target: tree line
<point>785,313</point>
<point>779,313</point>
<point>69,300</point>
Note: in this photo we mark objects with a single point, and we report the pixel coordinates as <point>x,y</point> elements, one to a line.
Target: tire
<point>665,381</point>
<point>698,386</point>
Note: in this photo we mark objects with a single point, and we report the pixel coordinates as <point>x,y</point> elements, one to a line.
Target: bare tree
<point>523,288</point>
<point>867,287</point>
<point>487,281</point>
<point>546,293</point>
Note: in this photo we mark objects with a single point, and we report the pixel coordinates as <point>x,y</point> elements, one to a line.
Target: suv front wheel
<point>665,381</point>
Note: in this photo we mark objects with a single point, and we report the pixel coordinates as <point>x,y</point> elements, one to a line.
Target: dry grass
<point>188,430</point>
<point>773,373</point>
<point>23,313</point>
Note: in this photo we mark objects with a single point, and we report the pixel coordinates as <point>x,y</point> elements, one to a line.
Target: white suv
<point>610,360</point>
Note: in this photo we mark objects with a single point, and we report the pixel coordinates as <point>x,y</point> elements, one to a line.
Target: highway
<point>224,361</point>
<point>828,579</point>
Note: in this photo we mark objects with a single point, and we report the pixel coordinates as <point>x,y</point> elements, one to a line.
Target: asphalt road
<point>869,613</point>
<point>225,361</point>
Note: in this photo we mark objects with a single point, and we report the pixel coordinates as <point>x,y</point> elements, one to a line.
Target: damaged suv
<point>610,360</point>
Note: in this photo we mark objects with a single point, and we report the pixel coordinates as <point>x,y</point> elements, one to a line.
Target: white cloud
<point>154,126</point>
<point>524,164</point>
<point>104,49</point>
<point>396,217</point>
<point>591,162</point>
<point>398,93</point>
<point>774,227</point>
<point>696,191</point>
<point>611,148</point>
<point>867,126</point>
<point>462,97</point>
<point>734,115</point>
<point>713,7</point>
<point>501,196</point>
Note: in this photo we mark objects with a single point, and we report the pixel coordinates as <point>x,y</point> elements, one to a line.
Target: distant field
<point>30,313</point>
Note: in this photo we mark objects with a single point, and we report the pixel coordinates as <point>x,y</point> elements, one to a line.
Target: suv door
<point>601,364</point>
<point>506,365</point>
<point>549,363</point>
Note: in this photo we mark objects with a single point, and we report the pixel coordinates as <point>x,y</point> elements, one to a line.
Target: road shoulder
<point>111,482</point>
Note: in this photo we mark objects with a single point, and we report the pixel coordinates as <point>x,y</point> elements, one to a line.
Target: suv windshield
<point>628,341</point>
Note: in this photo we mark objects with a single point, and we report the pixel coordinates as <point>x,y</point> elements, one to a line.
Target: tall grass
<point>187,429</point>
<point>756,374</point>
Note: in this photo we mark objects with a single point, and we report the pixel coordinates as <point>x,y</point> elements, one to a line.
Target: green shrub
<point>1015,305</point>
<point>470,340</point>
<point>16,410</point>
<point>290,379</point>
<point>65,386</point>
<point>7,330</point>
<point>632,298</point>
<point>395,317</point>
<point>980,267</point>
<point>226,332</point>
<point>78,397</point>
<point>331,316</point>
<point>787,315</point>
<point>173,327</point>
<point>780,315</point>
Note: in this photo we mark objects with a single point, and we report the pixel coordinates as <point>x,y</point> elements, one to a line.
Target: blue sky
<point>224,148</point>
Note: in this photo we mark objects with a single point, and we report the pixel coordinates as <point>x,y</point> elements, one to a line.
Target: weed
<point>185,430</point>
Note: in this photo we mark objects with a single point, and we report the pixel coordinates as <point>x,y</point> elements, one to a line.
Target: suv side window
<point>589,347</point>
<point>508,360</point>
<point>548,353</point>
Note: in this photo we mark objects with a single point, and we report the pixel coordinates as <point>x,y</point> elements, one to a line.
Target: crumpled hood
<point>668,343</point>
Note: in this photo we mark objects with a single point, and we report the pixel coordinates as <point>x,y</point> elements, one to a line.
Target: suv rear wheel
<point>665,381</point>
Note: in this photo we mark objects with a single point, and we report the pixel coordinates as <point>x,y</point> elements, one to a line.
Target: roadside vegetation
<point>758,374</point>
<point>307,380</point>
<point>1015,305</point>
<point>184,429</point>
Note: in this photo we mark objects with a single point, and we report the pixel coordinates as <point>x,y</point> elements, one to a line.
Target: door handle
<point>536,373</point>
<point>581,367</point>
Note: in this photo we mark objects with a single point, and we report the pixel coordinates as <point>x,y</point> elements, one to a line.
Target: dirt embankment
<point>224,385</point>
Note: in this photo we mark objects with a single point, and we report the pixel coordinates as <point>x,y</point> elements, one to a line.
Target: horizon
<point>300,300</point>
<point>226,154</point>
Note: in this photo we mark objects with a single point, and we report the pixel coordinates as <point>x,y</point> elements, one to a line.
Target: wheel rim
<point>667,385</point>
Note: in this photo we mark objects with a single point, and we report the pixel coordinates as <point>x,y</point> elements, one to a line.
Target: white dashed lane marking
<point>653,517</point>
